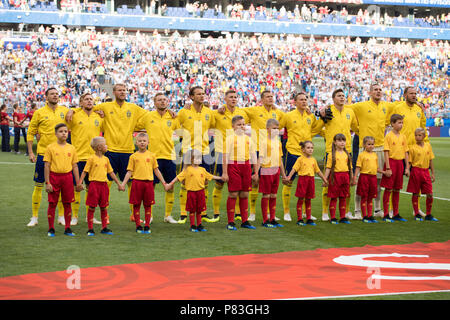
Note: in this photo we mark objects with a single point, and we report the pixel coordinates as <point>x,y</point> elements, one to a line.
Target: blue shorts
<point>81,165</point>
<point>355,151</point>
<point>39,176</point>
<point>289,163</point>
<point>119,163</point>
<point>218,166</point>
<point>168,170</point>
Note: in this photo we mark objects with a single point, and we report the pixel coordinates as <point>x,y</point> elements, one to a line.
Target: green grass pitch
<point>29,250</point>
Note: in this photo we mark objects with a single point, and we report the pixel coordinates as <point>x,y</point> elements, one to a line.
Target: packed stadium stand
<point>91,45</point>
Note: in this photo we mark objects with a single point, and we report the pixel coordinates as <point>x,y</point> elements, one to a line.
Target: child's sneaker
<point>387,219</point>
<point>193,229</point>
<point>51,232</point>
<point>334,221</point>
<point>90,233</point>
<point>373,220</point>
<point>182,220</point>
<point>231,226</point>
<point>276,224</point>
<point>268,224</point>
<point>310,222</point>
<point>74,221</point>
<point>417,217</point>
<point>139,230</point>
<point>106,231</point>
<point>247,225</point>
<point>237,217</point>
<point>68,232</point>
<point>344,220</point>
<point>325,217</point>
<point>399,218</point>
<point>201,228</point>
<point>147,230</point>
<point>430,218</point>
<point>251,217</point>
<point>300,222</point>
<point>366,220</point>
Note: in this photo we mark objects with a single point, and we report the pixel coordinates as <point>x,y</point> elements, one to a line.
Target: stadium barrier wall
<point>443,132</point>
<point>219,25</point>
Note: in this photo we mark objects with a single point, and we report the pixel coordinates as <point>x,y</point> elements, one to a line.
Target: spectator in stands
<point>4,125</point>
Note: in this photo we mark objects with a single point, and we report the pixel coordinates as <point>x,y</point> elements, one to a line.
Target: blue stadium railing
<point>127,19</point>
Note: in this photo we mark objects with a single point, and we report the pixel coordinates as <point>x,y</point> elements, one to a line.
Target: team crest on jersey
<point>207,117</point>
<point>418,114</point>
<point>153,121</point>
<point>348,116</point>
<point>129,114</point>
<point>169,123</point>
<point>69,154</point>
<point>274,115</point>
<point>96,123</point>
<point>61,115</point>
<point>260,115</point>
<point>384,110</point>
<point>308,121</point>
<point>80,122</point>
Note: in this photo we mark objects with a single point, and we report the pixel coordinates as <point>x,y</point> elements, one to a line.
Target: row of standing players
<point>121,119</point>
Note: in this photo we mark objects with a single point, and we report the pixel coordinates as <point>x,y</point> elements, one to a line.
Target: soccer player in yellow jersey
<point>344,121</point>
<point>160,127</point>
<point>413,115</point>
<point>258,116</point>
<point>85,125</point>
<point>43,123</point>
<point>301,126</point>
<point>119,123</point>
<point>195,123</point>
<point>373,118</point>
<point>223,124</point>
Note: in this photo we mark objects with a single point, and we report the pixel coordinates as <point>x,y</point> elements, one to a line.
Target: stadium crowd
<point>305,13</point>
<point>79,61</point>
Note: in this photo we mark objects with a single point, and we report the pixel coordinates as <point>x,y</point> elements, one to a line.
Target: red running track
<point>286,275</point>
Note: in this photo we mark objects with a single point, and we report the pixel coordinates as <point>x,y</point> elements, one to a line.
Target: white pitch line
<point>367,295</point>
<point>16,163</point>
